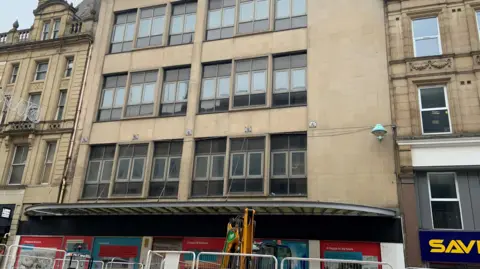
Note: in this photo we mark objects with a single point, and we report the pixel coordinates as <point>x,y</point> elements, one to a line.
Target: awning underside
<point>207,208</point>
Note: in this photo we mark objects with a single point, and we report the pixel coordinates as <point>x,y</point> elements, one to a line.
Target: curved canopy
<point>207,208</point>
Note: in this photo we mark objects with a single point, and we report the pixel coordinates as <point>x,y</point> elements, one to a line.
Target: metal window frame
<point>151,23</point>
<point>126,24</point>
<point>165,165</point>
<point>254,19</point>
<point>292,88</point>
<point>173,179</point>
<point>445,199</point>
<point>291,9</point>
<point>13,164</point>
<point>130,178</point>
<point>290,156</point>
<point>272,166</point>
<point>68,69</point>
<point>445,95</point>
<point>101,168</point>
<point>114,97</point>
<point>262,154</point>
<point>243,175</point>
<point>275,90</point>
<point>128,171</point>
<point>25,117</point>
<point>211,177</point>
<point>477,20</point>
<point>215,79</point>
<point>438,36</point>
<point>46,162</point>
<point>38,72</point>
<point>235,93</point>
<point>252,81</point>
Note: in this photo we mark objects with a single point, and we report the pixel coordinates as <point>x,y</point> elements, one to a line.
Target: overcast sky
<point>11,10</point>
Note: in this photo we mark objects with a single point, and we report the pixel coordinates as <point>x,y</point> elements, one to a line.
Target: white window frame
<point>222,13</point>
<point>55,23</point>
<point>290,10</point>
<point>37,71</point>
<point>290,157</point>
<point>252,89</point>
<point>430,200</point>
<point>45,30</point>
<point>130,176</point>
<point>14,74</point>
<point>165,165</point>
<point>212,178</point>
<point>17,164</point>
<point>440,52</point>
<point>58,114</point>
<point>128,171</point>
<point>254,19</point>
<point>261,168</point>
<point>177,83</point>
<point>445,95</point>
<point>69,60</point>
<point>249,83</point>
<point>244,171</point>
<point>167,177</point>
<point>210,163</point>
<point>273,164</point>
<point>45,162</point>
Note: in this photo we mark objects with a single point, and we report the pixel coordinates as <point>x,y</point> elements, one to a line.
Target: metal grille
<point>219,260</point>
<point>170,260</point>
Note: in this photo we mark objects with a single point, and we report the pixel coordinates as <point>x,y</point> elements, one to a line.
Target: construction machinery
<point>240,239</point>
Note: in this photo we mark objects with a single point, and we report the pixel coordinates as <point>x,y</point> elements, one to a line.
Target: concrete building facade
<point>41,81</point>
<point>433,64</point>
<point>194,110</point>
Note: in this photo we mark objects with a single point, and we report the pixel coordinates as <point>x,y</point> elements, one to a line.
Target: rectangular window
<point>209,167</point>
<point>444,201</point>
<point>61,104</point>
<point>69,68</point>
<point>434,110</point>
<point>250,82</point>
<point>215,93</point>
<point>123,32</point>
<point>48,162</point>
<point>246,165</point>
<point>18,165</point>
<point>221,18</point>
<point>112,99</point>
<point>290,14</point>
<point>45,30</point>
<point>32,107</point>
<point>141,94</point>
<point>175,92</point>
<point>166,169</point>
<point>56,29</point>
<point>41,71</point>
<point>290,80</point>
<point>151,27</point>
<point>182,23</point>
<point>130,170</point>
<point>426,37</point>
<point>99,171</point>
<point>13,76</point>
<point>253,16</point>
<point>288,164</point>
<point>478,23</point>
<point>5,106</point>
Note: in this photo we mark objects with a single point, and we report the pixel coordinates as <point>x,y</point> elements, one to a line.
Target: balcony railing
<point>22,127</point>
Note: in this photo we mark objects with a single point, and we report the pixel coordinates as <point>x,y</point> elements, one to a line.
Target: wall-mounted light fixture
<point>379,131</point>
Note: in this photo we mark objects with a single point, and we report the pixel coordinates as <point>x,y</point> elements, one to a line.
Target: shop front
<point>450,249</point>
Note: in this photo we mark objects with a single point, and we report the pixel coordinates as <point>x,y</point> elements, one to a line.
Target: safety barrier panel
<point>213,260</point>
<point>170,259</point>
<point>3,250</point>
<point>20,256</point>
<point>123,265</point>
<point>65,264</point>
<point>83,264</point>
<point>318,263</point>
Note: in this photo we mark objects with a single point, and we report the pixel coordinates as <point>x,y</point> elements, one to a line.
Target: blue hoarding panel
<point>450,246</point>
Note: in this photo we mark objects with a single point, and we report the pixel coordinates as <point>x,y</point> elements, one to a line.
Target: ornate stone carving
<point>431,64</point>
<point>37,86</point>
<point>477,59</point>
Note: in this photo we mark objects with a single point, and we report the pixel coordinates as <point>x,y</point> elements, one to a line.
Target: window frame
<point>251,91</point>
<point>143,84</point>
<point>28,107</point>
<point>445,95</point>
<point>14,73</point>
<point>138,22</point>
<point>45,31</point>
<point>56,33</point>
<point>477,20</point>
<point>12,164</point>
<point>98,182</point>
<point>216,94</point>
<point>177,83</point>
<point>37,71</point>
<point>222,16</point>
<point>61,107</point>
<point>5,106</point>
<point>430,200</point>
<point>254,19</point>
<point>47,162</point>
<point>184,23</point>
<point>439,40</point>
<point>246,151</point>
<point>131,164</point>
<point>290,16</point>
<point>125,24</point>
<point>244,172</point>
<point>115,90</point>
<point>69,70</point>
<point>167,157</point>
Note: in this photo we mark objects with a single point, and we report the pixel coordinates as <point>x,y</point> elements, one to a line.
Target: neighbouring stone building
<point>434,66</point>
<point>42,76</point>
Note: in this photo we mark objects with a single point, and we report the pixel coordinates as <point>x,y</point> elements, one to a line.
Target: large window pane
<point>201,167</point>
<point>144,27</point>
<point>177,25</point>
<point>208,90</point>
<point>246,11</point>
<point>174,168</point>
<point>427,47</point>
<point>190,23</point>
<point>238,164</point>
<point>242,83</point>
<point>255,164</point>
<point>446,215</point>
<point>259,81</point>
<point>261,10</point>
<point>228,17</point>
<point>298,163</point>
<point>279,164</point>
<point>281,81</point>
<point>158,26</point>
<point>159,168</point>
<point>432,98</point>
<point>425,27</point>
<point>442,186</point>
<point>299,7</point>
<point>298,79</point>
<point>214,19</point>
<point>282,8</point>
<point>217,166</point>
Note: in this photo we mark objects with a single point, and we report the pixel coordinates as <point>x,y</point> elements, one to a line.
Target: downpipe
<point>68,161</point>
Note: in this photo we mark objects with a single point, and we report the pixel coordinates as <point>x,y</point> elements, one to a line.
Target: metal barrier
<point>65,264</point>
<point>83,264</point>
<point>318,263</point>
<point>3,250</point>
<point>123,265</point>
<point>170,259</point>
<point>213,260</point>
<point>26,257</point>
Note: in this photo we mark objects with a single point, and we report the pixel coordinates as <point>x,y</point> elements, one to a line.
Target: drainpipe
<point>68,162</point>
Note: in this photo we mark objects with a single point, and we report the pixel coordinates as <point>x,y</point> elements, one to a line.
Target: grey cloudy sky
<point>10,10</point>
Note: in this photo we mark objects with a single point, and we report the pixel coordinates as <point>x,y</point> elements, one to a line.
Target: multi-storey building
<point>194,110</point>
<point>434,57</point>
<point>41,79</point>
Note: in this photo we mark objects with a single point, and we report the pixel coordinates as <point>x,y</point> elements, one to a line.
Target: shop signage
<point>450,246</point>
<point>6,213</point>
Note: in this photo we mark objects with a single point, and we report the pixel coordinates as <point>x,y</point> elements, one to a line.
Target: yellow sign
<point>454,246</point>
